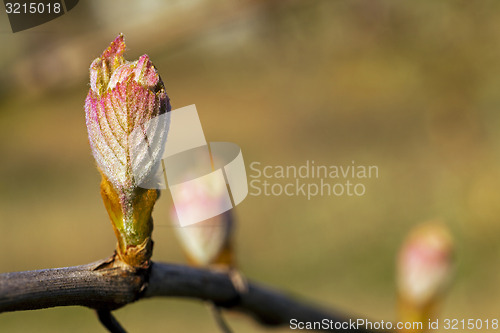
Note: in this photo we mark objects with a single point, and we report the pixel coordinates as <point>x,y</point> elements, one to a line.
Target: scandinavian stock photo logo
<point>310,179</point>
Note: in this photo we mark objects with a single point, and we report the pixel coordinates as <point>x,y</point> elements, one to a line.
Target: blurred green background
<point>412,87</point>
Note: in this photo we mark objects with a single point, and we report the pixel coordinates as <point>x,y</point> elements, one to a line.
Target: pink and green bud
<point>125,96</point>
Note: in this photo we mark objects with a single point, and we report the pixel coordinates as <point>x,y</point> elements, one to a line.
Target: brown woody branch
<point>109,284</point>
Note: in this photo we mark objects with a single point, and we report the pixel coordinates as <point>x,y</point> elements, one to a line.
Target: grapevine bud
<point>124,96</point>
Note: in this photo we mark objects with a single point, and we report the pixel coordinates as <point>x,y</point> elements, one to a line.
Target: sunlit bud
<point>124,96</point>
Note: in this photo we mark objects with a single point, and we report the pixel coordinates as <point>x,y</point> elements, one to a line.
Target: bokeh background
<point>412,87</point>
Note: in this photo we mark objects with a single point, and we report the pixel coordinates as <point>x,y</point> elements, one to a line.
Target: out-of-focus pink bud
<point>424,270</point>
<point>204,241</point>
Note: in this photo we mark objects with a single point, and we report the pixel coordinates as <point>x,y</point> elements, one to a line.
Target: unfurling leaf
<point>125,96</point>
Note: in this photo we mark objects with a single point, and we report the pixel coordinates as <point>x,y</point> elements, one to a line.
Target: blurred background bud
<point>209,242</point>
<point>424,271</point>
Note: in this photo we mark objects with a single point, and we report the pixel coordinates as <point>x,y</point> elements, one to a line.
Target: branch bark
<point>109,284</point>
